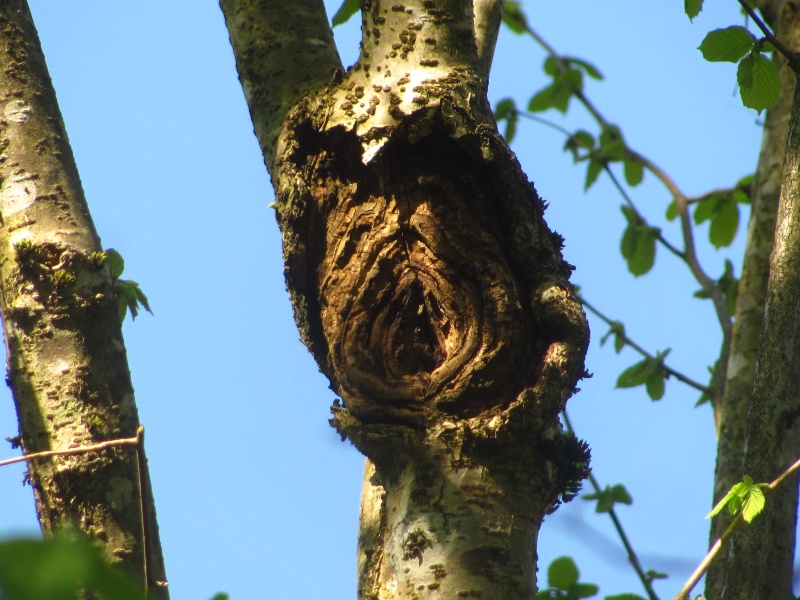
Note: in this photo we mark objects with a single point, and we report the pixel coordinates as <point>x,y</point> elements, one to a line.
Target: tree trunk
<point>66,358</point>
<point>428,287</point>
<point>732,409</point>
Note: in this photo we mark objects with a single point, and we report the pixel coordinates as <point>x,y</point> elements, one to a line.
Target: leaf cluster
<point>129,294</point>
<point>745,497</point>
<point>649,372</point>
<point>757,75</point>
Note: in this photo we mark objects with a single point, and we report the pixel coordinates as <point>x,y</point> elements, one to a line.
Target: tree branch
<point>283,50</point>
<point>488,17</point>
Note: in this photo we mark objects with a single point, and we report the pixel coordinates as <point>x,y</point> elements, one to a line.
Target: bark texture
<point>432,294</point>
<point>66,359</point>
<point>774,400</point>
<point>732,409</point>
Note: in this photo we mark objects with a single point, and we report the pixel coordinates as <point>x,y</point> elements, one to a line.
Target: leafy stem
<point>792,57</point>
<point>623,339</point>
<point>644,577</point>
<point>683,594</point>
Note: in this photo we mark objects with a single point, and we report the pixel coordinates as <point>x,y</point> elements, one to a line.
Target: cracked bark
<point>427,286</point>
<point>67,366</point>
<point>733,407</point>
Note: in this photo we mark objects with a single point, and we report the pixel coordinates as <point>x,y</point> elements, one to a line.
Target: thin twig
<point>683,594</point>
<point>629,342</point>
<point>632,557</point>
<point>71,451</point>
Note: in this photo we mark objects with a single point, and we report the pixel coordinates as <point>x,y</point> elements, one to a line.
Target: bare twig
<point>79,450</point>
<point>632,557</point>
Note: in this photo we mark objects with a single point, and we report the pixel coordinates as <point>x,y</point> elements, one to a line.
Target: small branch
<point>629,342</point>
<point>690,255</point>
<point>669,246</point>
<point>792,57</point>
<point>72,451</point>
<point>683,594</point>
<point>632,557</point>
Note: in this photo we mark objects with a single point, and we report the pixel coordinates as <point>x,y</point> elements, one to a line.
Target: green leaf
<point>115,262</point>
<point>616,329</point>
<point>221,596</point>
<point>142,298</point>
<point>641,372</point>
<point>593,170</point>
<point>580,140</point>
<point>514,18</point>
<point>745,496</point>
<point>129,296</point>
<point>745,181</point>
<point>612,143</point>
<point>557,95</point>
<point>753,503</point>
<point>672,211</point>
<point>345,12</point>
<point>729,44</point>
<point>562,573</point>
<point>651,575</point>
<point>587,67</point>
<point>57,569</point>
<point>705,209</point>
<point>724,223</point>
<point>638,247</point>
<point>692,8</point>
<point>634,172</point>
<point>655,385</point>
<point>506,110</point>
<point>637,374</point>
<point>759,82</point>
<point>610,496</point>
<point>583,590</point>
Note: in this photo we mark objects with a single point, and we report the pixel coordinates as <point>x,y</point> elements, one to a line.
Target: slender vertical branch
<point>488,17</point>
<point>283,50</point>
<point>632,556</point>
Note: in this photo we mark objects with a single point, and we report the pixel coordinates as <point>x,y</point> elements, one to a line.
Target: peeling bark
<point>732,409</point>
<point>66,358</point>
<point>434,297</point>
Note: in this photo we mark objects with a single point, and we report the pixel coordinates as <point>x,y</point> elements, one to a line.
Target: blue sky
<point>254,490</point>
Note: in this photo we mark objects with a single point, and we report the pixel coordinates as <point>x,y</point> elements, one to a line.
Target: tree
<point>61,321</point>
<point>425,283</point>
<point>535,173</point>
